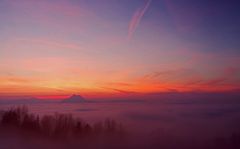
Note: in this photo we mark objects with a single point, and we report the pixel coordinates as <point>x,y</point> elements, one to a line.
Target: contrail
<point>136,19</point>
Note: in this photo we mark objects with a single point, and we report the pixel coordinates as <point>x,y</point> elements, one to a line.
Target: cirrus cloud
<point>136,19</point>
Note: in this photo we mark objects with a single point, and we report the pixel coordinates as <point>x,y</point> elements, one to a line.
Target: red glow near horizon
<point>53,97</point>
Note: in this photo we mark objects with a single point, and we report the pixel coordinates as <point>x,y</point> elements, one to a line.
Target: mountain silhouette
<point>74,99</point>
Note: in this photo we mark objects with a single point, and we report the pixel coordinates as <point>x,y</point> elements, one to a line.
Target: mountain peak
<point>74,99</point>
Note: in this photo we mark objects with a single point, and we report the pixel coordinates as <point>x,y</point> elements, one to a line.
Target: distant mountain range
<point>24,101</point>
<point>174,98</point>
<point>32,100</point>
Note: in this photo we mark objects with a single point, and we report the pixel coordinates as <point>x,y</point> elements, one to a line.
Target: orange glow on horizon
<point>107,90</point>
<point>56,97</point>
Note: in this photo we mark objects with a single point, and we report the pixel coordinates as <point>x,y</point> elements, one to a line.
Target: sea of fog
<point>174,118</point>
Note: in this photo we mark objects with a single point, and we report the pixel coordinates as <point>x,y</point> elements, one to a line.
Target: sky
<point>53,48</point>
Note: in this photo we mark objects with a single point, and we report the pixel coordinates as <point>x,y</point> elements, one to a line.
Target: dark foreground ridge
<point>55,126</point>
<point>20,129</point>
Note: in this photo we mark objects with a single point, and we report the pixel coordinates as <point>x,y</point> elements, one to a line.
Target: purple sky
<point>56,47</point>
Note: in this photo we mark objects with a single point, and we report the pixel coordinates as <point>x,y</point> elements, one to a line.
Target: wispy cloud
<point>49,42</point>
<point>119,90</point>
<point>136,19</point>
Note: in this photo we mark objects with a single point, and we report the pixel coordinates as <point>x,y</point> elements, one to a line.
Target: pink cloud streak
<point>136,19</point>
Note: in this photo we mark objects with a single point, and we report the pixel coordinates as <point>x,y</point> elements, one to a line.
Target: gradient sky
<point>92,47</point>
